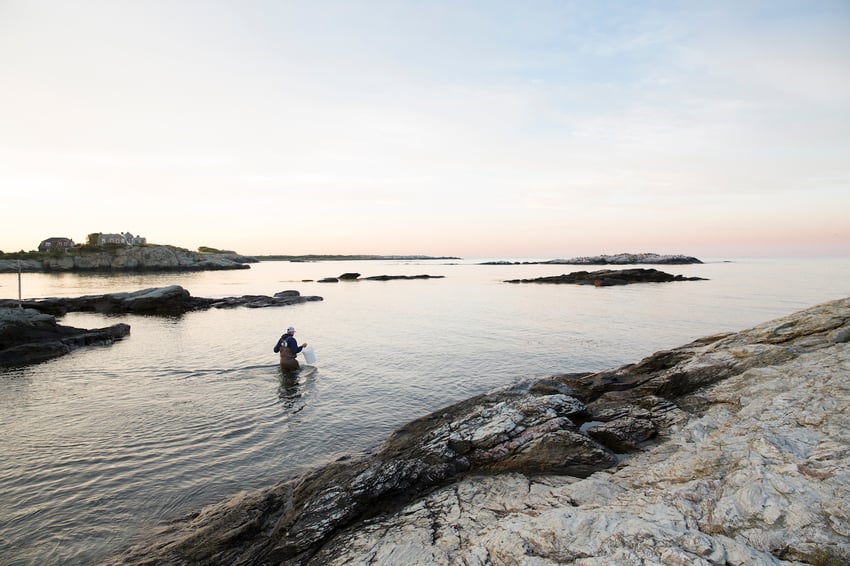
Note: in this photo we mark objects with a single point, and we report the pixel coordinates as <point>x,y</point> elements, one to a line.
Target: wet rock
<point>28,336</point>
<point>356,277</point>
<point>401,277</point>
<point>171,300</point>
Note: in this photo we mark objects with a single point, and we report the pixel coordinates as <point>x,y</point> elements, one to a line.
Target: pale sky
<point>477,129</point>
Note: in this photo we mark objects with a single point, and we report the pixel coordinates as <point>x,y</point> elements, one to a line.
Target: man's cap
<point>291,329</point>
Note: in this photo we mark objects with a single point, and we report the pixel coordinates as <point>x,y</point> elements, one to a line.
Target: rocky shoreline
<point>134,258</point>
<point>30,334</point>
<point>729,450</point>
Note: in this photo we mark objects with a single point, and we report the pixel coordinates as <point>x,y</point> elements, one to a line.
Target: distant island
<point>154,257</point>
<point>356,257</point>
<point>610,277</point>
<point>121,258</point>
<point>618,259</point>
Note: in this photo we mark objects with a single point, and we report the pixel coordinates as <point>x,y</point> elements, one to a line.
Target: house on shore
<point>56,244</point>
<point>113,239</point>
<point>125,239</point>
<point>134,240</point>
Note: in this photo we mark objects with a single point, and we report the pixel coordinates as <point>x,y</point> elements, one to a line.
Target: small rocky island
<point>128,258</point>
<point>730,450</point>
<point>357,277</point>
<point>30,334</point>
<point>617,259</point>
<point>609,277</point>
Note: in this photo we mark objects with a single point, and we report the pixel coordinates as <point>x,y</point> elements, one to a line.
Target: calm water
<point>102,445</point>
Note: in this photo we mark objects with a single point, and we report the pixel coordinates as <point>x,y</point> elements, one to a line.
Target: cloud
<point>373,118</point>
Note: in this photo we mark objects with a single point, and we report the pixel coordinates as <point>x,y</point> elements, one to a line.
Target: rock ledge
<point>730,450</point>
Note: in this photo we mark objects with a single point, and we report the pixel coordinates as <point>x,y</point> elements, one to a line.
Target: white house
<point>125,239</point>
<point>114,239</point>
<point>134,240</point>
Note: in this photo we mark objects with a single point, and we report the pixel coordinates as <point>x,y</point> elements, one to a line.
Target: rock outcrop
<point>730,450</point>
<point>617,259</point>
<point>133,258</point>
<point>29,333</point>
<point>28,336</point>
<point>171,300</point>
<point>609,277</point>
<point>356,277</point>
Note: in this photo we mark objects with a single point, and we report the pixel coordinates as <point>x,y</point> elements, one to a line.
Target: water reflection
<point>293,384</point>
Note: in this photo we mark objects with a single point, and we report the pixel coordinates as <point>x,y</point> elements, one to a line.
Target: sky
<point>458,128</point>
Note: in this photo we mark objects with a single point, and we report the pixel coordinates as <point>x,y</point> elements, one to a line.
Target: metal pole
<point>20,303</point>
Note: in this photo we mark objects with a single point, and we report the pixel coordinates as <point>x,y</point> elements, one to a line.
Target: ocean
<point>104,445</point>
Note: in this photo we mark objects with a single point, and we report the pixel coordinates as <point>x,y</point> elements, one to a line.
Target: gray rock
<point>610,277</point>
<point>28,336</point>
<point>170,300</point>
<point>23,265</point>
<point>31,335</point>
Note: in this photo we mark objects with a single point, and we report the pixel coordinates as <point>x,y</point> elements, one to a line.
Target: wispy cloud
<point>386,115</point>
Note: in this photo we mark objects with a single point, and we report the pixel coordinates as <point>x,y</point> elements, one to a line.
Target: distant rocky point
<point>356,257</point>
<point>609,277</point>
<point>618,259</point>
<point>356,277</point>
<point>132,258</point>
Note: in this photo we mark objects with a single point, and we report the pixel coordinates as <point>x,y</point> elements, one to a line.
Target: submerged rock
<point>728,450</point>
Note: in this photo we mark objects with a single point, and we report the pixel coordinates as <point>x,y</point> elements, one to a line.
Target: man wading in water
<point>289,348</point>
